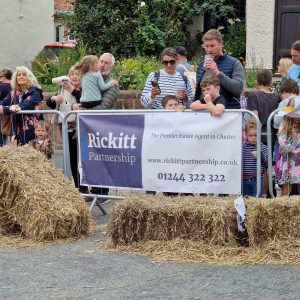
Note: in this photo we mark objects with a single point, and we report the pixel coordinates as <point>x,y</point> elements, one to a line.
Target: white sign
<point>192,153</point>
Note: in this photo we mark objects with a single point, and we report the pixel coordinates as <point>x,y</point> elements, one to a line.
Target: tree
<point>129,28</point>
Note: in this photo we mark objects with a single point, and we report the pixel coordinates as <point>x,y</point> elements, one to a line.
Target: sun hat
<point>292,109</point>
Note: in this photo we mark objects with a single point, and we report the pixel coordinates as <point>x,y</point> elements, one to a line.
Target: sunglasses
<point>172,62</point>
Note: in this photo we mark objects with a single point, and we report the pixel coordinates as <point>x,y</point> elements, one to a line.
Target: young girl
<point>92,82</point>
<point>288,167</point>
<point>41,141</point>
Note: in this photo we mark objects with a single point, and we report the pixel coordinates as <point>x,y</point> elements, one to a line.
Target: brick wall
<point>126,100</point>
<point>63,4</point>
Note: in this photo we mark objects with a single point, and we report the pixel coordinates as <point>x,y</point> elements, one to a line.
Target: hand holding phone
<point>155,89</point>
<point>154,83</point>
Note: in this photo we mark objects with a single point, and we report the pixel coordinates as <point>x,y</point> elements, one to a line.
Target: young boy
<point>212,101</point>
<point>171,102</point>
<point>249,161</point>
<point>41,141</point>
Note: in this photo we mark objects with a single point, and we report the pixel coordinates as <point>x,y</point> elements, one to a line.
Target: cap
<point>292,109</point>
<point>181,51</point>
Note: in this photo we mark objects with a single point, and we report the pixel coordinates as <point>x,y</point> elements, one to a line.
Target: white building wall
<point>25,26</point>
<point>260,32</point>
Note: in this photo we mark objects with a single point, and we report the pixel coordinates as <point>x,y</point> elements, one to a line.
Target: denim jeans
<point>249,187</point>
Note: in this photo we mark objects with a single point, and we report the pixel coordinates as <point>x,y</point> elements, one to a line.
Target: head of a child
<point>288,88</point>
<point>264,78</point>
<point>170,102</point>
<point>251,132</point>
<point>211,85</point>
<point>41,130</point>
<point>88,63</point>
<point>284,65</point>
<point>292,122</point>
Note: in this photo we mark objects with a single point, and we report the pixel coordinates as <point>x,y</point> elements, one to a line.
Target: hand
<point>180,108</point>
<point>181,94</point>
<point>14,108</point>
<point>212,66</point>
<point>47,142</point>
<point>254,153</point>
<point>115,82</point>
<point>207,98</point>
<point>68,86</point>
<point>76,106</point>
<point>154,92</point>
<point>57,99</point>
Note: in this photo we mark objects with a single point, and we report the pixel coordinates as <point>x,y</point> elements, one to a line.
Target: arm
<point>77,94</point>
<point>102,85</point>
<point>48,148</point>
<point>197,105</point>
<point>147,98</point>
<point>286,144</point>
<point>109,99</point>
<point>235,84</point>
<point>33,98</point>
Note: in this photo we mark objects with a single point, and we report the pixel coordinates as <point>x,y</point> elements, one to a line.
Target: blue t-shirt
<point>294,73</point>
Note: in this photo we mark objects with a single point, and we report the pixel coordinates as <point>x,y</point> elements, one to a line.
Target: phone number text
<point>191,177</point>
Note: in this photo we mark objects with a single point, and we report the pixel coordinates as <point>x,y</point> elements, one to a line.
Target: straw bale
<point>203,229</point>
<point>36,199</point>
<point>143,218</point>
<point>273,219</point>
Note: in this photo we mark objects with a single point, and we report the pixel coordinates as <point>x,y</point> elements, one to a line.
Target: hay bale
<point>273,219</point>
<point>36,199</point>
<point>143,218</point>
<point>204,229</point>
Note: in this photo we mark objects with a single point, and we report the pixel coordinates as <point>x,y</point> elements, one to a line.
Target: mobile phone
<point>154,83</point>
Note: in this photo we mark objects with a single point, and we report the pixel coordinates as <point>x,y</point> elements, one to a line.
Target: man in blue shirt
<point>294,70</point>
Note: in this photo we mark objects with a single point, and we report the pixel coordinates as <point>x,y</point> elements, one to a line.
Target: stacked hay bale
<point>205,229</point>
<point>36,199</point>
<point>273,219</point>
<point>208,219</point>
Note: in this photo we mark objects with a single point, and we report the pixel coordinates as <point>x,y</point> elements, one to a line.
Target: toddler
<point>212,101</point>
<point>92,82</point>
<point>171,102</point>
<point>250,161</point>
<point>42,142</point>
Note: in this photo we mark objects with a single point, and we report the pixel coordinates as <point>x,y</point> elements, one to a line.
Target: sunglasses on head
<point>171,62</point>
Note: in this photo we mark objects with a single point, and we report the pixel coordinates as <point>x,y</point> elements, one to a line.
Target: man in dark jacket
<point>227,69</point>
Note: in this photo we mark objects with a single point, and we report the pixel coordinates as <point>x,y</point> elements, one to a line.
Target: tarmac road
<point>79,270</point>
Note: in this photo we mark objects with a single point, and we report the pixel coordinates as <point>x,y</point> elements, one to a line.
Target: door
<point>287,28</point>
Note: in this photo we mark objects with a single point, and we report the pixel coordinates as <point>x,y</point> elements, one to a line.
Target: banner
<point>185,152</point>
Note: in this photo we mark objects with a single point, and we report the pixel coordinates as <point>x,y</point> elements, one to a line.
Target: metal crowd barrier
<point>270,154</point>
<point>135,111</point>
<point>96,198</point>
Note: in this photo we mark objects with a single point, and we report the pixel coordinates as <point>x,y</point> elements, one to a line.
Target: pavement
<point>80,270</point>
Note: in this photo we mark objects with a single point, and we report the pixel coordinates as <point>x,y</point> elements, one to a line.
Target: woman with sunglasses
<point>166,82</point>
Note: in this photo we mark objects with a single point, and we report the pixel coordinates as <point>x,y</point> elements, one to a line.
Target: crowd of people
<point>216,85</point>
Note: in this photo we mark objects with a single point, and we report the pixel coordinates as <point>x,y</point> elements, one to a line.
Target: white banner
<point>192,153</point>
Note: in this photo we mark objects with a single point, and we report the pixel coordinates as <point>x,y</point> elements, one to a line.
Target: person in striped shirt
<point>250,161</point>
<point>165,82</point>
